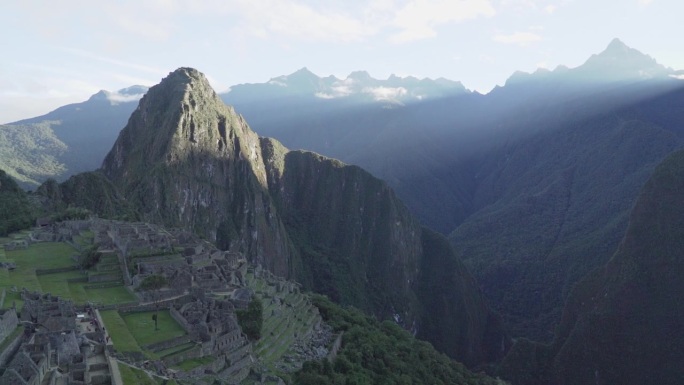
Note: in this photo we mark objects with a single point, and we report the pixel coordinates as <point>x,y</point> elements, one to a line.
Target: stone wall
<point>181,320</point>
<point>11,349</point>
<point>56,270</point>
<point>169,343</point>
<point>8,322</point>
<point>100,278</point>
<point>183,356</point>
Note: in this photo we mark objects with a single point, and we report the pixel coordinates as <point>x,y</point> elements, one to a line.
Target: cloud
<point>645,3</point>
<point>385,93</point>
<point>116,98</point>
<point>418,19</point>
<point>339,89</point>
<point>273,18</point>
<point>129,65</point>
<point>519,38</point>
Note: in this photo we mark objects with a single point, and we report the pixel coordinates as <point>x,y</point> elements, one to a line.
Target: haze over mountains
<point>533,183</point>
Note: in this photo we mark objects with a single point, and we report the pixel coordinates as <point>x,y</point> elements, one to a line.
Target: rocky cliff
<point>186,159</point>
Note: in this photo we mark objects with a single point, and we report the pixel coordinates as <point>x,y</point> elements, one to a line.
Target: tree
<point>154,283</point>
<point>251,320</point>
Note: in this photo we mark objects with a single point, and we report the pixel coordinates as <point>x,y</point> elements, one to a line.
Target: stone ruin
<point>205,287</point>
<point>53,348</point>
<point>48,312</point>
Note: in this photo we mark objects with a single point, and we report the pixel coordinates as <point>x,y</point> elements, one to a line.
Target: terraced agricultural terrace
<point>185,331</point>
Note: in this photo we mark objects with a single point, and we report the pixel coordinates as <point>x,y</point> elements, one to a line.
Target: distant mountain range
<point>532,182</point>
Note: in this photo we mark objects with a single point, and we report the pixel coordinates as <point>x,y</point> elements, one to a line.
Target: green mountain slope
<point>89,190</point>
<point>552,208</point>
<point>71,139</point>
<point>622,323</point>
<point>30,153</point>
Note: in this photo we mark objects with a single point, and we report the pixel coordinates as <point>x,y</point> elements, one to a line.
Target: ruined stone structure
<point>57,348</point>
<point>204,288</point>
<point>8,322</point>
<point>48,312</point>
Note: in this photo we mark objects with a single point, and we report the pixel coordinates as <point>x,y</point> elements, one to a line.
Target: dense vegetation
<point>16,211</point>
<point>374,352</point>
<point>153,282</point>
<point>30,153</point>
<point>622,323</point>
<point>89,191</point>
<point>251,320</point>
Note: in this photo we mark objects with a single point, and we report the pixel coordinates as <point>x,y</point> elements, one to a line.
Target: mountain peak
<point>621,62</point>
<point>180,116</point>
<point>616,45</point>
<point>361,76</point>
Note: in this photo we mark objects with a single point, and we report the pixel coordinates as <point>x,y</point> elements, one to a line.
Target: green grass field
<point>50,255</point>
<point>118,329</point>
<point>141,327</point>
<point>46,255</point>
<point>132,331</point>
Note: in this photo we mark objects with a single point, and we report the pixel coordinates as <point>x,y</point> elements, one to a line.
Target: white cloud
<point>418,18</point>
<point>324,95</point>
<point>269,18</point>
<point>385,93</point>
<point>645,2</point>
<point>129,65</point>
<point>519,38</point>
<point>338,89</point>
<point>116,98</point>
<point>680,76</point>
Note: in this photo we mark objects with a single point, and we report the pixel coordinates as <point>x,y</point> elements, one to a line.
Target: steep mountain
<point>622,323</point>
<point>71,139</point>
<point>186,159</point>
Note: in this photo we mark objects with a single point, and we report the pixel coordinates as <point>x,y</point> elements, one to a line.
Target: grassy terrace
<point>130,332</point>
<point>50,255</point>
<point>192,364</point>
<point>122,338</point>
<point>141,326</point>
<point>278,333</point>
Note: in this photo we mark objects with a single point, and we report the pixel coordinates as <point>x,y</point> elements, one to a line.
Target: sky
<point>60,52</point>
